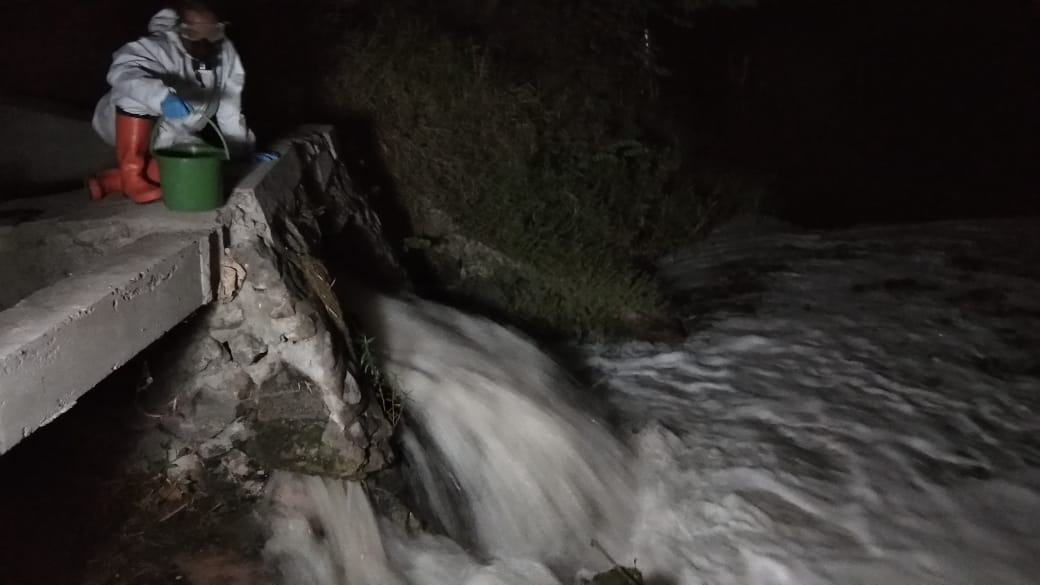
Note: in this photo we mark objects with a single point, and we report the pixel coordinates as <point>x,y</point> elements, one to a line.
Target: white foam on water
<point>540,477</point>
<point>324,532</point>
<point>857,443</point>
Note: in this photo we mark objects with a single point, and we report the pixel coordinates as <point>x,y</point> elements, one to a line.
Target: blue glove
<point>175,108</point>
<point>265,156</point>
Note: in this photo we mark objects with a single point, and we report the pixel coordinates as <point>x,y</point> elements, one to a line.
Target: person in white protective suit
<point>184,75</point>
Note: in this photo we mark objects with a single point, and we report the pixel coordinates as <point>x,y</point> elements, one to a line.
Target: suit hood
<point>164,21</point>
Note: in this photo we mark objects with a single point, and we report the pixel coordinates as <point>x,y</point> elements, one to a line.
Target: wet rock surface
<point>294,431</point>
<point>265,378</point>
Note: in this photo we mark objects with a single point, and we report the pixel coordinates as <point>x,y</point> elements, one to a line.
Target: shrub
<point>546,179</point>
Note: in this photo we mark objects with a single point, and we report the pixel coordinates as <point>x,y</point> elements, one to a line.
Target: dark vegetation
<point>583,139</point>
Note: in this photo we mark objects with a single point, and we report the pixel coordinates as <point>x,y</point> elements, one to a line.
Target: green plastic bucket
<point>191,176</point>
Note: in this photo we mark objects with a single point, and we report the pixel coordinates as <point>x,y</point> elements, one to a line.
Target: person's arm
<point>136,73</point>
<point>230,118</point>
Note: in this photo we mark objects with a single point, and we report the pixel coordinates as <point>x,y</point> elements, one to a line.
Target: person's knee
<point>134,112</point>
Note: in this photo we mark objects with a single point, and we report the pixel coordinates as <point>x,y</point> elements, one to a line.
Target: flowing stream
<point>861,409</point>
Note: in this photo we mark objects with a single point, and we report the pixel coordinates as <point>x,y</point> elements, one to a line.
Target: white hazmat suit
<point>145,71</point>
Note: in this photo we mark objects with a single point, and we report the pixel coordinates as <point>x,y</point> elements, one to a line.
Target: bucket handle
<point>209,122</point>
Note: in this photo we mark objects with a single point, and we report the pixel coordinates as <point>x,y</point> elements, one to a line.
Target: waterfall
<point>497,446</point>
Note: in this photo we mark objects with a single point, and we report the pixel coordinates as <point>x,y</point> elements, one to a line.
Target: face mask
<point>202,41</point>
<point>206,51</point>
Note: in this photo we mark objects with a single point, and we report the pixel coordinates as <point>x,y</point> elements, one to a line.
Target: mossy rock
<point>308,447</point>
<point>293,431</point>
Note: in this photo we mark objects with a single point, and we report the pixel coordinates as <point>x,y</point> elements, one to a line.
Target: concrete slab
<point>85,286</point>
<point>46,239</point>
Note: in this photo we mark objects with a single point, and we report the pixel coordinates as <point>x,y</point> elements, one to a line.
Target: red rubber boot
<point>103,183</point>
<point>132,136</point>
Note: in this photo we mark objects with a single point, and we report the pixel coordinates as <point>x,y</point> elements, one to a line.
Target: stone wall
<point>268,376</point>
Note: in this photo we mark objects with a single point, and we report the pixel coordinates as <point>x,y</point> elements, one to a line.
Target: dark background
<point>871,110</point>
<point>852,110</point>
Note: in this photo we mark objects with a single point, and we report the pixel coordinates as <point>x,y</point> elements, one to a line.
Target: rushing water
<point>864,409</point>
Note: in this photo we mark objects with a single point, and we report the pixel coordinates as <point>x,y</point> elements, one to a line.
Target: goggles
<point>194,31</point>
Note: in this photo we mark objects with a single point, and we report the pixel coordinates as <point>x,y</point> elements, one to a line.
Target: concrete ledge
<point>88,285</point>
<point>60,342</point>
<point>44,240</point>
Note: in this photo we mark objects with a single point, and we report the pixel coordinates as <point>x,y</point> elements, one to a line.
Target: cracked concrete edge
<point>61,342</point>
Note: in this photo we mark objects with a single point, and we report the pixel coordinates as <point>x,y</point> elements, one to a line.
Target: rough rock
<point>236,465</point>
<point>227,316</point>
<point>301,327</point>
<point>187,468</point>
<point>246,348</point>
<point>430,222</point>
<point>264,379</point>
<point>235,434</point>
<point>284,310</point>
<point>293,430</point>
<point>475,270</point>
